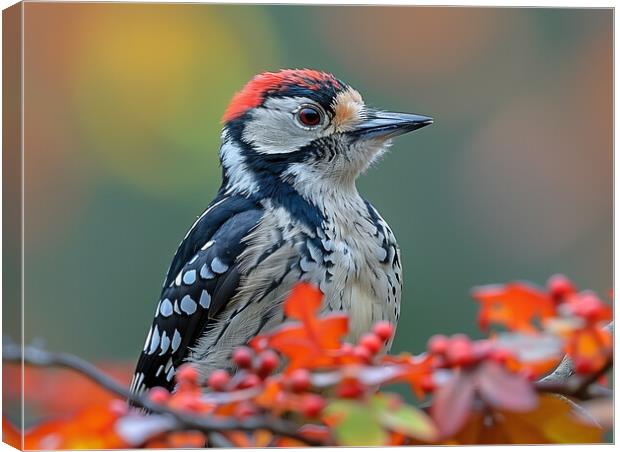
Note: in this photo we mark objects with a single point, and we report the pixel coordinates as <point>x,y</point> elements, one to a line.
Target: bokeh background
<point>122,109</point>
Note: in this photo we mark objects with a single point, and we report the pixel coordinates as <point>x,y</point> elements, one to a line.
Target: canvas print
<point>237,225</point>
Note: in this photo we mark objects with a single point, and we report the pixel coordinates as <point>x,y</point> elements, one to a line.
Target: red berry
<point>560,287</point>
<point>385,330</point>
<point>259,343</point>
<point>428,383</point>
<point>118,407</point>
<point>362,353</point>
<point>187,374</point>
<point>350,389</point>
<point>312,405</point>
<point>245,409</point>
<point>460,351</point>
<point>158,394</point>
<point>218,380</point>
<point>482,349</point>
<point>583,366</point>
<point>589,306</point>
<point>372,342</point>
<point>268,361</point>
<point>438,344</point>
<point>249,381</point>
<point>299,380</point>
<point>501,355</point>
<point>460,337</point>
<point>187,402</point>
<point>242,357</point>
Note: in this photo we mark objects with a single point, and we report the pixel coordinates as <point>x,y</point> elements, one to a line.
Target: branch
<point>574,389</point>
<point>562,381</point>
<point>562,373</point>
<point>182,421</point>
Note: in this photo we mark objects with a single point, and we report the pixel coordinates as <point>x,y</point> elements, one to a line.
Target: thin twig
<point>38,357</point>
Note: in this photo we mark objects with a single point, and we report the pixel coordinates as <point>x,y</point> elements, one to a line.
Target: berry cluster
<point>585,305</point>
<point>560,288</point>
<point>461,351</point>
<point>371,344</point>
<point>291,390</point>
<point>479,390</point>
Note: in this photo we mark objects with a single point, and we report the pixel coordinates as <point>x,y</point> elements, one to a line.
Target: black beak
<point>385,124</point>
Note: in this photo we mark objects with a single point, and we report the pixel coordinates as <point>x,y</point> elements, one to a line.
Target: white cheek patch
<point>272,128</point>
<point>240,176</point>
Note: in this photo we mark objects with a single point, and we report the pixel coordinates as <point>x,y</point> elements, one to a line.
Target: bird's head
<point>302,126</point>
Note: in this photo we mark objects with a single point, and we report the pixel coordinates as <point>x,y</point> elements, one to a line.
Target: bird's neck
<point>330,195</point>
<point>312,193</point>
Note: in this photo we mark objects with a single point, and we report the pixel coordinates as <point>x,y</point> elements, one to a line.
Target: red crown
<point>255,90</point>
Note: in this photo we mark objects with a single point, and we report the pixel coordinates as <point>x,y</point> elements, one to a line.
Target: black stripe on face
<point>325,95</point>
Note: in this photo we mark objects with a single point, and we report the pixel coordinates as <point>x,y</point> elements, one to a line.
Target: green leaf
<point>356,424</point>
<point>411,422</point>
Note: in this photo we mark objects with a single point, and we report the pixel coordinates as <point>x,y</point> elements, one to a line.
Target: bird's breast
<point>352,257</point>
<point>363,270</point>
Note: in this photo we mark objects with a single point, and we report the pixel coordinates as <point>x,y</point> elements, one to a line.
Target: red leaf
<point>502,389</point>
<point>312,344</point>
<point>415,370</point>
<point>303,302</point>
<point>452,403</point>
<point>92,428</point>
<point>591,346</point>
<point>514,305</point>
<point>306,344</point>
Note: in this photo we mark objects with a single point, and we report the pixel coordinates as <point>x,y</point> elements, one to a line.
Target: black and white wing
<point>202,278</point>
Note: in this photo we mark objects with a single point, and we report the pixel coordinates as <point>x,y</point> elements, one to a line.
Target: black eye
<point>309,116</point>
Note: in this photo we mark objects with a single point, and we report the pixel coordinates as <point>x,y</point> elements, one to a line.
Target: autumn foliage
<point>330,392</point>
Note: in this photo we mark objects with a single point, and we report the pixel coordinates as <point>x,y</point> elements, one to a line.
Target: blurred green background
<point>122,108</point>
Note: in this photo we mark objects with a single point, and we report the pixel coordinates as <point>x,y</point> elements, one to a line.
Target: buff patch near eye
<point>349,109</point>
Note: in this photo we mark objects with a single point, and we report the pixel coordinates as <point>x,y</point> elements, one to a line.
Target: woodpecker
<point>292,146</point>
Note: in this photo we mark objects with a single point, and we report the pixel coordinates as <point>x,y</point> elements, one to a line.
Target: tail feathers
<point>138,387</point>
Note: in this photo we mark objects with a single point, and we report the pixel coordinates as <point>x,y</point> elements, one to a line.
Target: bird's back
<point>202,278</point>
